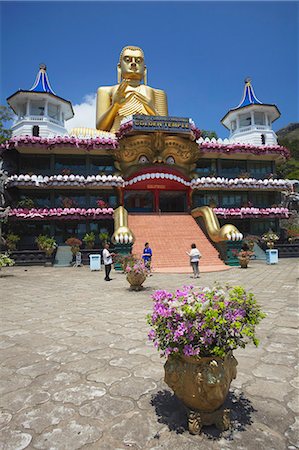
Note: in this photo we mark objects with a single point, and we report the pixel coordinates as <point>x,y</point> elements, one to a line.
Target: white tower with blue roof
<point>251,121</point>
<point>40,112</point>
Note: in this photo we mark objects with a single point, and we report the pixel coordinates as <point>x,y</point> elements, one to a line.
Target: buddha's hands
<point>121,97</point>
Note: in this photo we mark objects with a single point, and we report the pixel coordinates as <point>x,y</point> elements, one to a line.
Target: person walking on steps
<point>147,258</point>
<point>107,259</point>
<point>194,256</point>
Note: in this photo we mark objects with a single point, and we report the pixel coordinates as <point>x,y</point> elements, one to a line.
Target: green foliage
<point>26,202</point>
<point>46,244</point>
<point>89,239</point>
<point>12,240</point>
<point>204,322</point>
<point>208,134</point>
<point>104,237</point>
<point>5,116</point>
<point>5,260</point>
<point>290,168</point>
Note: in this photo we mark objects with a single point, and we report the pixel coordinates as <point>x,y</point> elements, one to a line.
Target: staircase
<point>63,256</point>
<point>170,236</point>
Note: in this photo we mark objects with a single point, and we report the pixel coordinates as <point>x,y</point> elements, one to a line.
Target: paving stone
<point>108,375</point>
<point>13,382</point>
<point>294,404</point>
<point>44,416</point>
<point>273,372</point>
<point>268,389</point>
<point>130,361</point>
<point>14,440</point>
<point>23,398</point>
<point>78,394</point>
<point>106,407</point>
<point>37,369</point>
<point>132,387</point>
<point>83,366</point>
<point>5,418</point>
<point>293,433</point>
<point>71,435</point>
<point>279,358</point>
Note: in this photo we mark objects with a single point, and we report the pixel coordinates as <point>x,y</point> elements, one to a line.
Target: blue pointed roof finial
<point>249,97</point>
<point>42,83</point>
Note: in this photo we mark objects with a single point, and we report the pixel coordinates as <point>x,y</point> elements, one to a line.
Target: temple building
<point>158,168</point>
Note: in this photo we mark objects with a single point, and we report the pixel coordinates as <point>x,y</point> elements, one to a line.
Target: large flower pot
<point>244,262</point>
<point>136,280</point>
<point>202,384</point>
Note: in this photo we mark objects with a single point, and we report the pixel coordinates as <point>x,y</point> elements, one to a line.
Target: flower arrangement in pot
<point>75,244</point>
<point>270,238</point>
<point>244,255</point>
<point>46,244</point>
<point>136,272</point>
<point>89,240</point>
<point>197,330</point>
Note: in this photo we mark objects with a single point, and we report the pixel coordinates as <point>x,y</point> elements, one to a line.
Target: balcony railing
<point>35,118</point>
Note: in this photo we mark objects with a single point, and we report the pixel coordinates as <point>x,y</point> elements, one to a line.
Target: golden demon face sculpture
<point>138,151</point>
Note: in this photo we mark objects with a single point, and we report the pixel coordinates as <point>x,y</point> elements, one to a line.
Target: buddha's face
<point>132,64</point>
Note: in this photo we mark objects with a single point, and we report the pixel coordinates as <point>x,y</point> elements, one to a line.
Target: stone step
<point>170,236</point>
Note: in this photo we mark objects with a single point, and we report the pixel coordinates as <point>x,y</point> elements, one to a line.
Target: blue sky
<point>198,52</point>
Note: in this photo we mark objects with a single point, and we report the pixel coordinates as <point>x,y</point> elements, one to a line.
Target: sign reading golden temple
<point>159,123</point>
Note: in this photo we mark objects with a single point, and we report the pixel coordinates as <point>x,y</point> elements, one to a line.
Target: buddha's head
<point>131,64</point>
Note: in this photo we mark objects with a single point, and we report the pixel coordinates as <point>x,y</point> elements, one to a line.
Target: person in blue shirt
<point>147,257</point>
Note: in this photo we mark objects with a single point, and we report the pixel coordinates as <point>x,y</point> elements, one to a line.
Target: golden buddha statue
<point>129,96</point>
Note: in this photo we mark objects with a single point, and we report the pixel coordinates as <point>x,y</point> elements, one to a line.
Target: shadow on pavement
<point>171,411</point>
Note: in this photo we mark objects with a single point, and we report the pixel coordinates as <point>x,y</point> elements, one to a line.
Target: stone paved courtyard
<point>77,371</point>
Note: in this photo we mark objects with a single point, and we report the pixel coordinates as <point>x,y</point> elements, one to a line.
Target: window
<point>259,118</point>
<point>34,164</point>
<point>204,168</point>
<point>101,164</point>
<point>245,120</point>
<point>232,168</point>
<point>37,108</point>
<point>70,199</point>
<point>233,125</point>
<point>53,111</point>
<point>260,169</point>
<point>234,200</point>
<point>205,198</point>
<point>263,199</point>
<point>110,198</point>
<point>66,165</point>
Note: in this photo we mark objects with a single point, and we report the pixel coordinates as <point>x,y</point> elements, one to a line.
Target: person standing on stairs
<point>194,256</point>
<point>147,257</point>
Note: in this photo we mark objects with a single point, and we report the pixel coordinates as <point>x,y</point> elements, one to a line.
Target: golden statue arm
<point>122,233</point>
<point>106,112</point>
<point>161,102</point>
<point>226,233</point>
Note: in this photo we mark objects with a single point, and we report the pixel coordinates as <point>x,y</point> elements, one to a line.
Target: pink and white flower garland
<point>251,212</point>
<point>62,141</point>
<point>61,213</point>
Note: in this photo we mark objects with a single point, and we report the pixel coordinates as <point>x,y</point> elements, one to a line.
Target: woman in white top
<point>195,256</point>
<point>107,259</point>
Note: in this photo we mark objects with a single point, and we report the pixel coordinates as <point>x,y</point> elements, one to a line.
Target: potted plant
<point>26,203</point>
<point>46,244</point>
<point>89,240</point>
<point>5,260</point>
<point>136,272</point>
<point>104,237</point>
<point>270,238</point>
<point>197,330</point>
<point>11,241</point>
<point>244,255</point>
<point>75,244</point>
